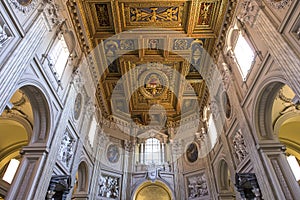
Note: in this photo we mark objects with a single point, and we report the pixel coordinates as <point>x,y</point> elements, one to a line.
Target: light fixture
<point>294,166</point>
<point>11,170</point>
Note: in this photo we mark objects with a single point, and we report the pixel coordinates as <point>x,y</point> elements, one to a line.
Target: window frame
<point>244,72</point>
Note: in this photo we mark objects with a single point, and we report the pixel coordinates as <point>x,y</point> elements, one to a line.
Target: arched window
<point>244,55</point>
<point>153,151</point>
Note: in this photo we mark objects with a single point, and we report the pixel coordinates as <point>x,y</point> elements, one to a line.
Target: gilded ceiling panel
<point>172,15</point>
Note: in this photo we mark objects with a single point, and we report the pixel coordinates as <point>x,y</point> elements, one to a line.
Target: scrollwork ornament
<point>25,6</point>
<point>279,4</point>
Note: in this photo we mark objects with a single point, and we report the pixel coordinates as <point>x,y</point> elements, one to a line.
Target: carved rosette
<point>239,147</point>
<point>248,12</point>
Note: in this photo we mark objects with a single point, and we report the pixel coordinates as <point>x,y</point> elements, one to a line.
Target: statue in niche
<point>197,186</point>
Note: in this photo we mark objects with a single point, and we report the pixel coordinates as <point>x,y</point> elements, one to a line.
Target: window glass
<point>92,131</point>
<point>244,55</point>
<point>59,56</point>
<point>153,151</point>
<point>212,131</point>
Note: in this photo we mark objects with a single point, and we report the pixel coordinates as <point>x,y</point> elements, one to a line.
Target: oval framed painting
<point>192,152</point>
<point>113,153</point>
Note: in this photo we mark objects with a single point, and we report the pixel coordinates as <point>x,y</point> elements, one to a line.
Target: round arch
<point>224,177</point>
<point>34,117</point>
<point>263,109</point>
<point>82,176</point>
<point>157,190</point>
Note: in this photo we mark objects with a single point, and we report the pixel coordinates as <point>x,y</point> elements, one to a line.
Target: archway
<point>276,101</point>
<point>82,180</point>
<point>16,124</point>
<point>24,130</point>
<point>153,191</point>
<point>286,120</point>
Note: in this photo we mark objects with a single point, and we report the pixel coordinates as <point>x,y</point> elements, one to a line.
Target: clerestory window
<point>153,151</point>
<point>244,55</point>
<point>59,56</point>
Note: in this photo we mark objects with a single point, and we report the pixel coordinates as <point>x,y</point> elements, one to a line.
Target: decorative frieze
<point>239,147</point>
<point>109,186</point>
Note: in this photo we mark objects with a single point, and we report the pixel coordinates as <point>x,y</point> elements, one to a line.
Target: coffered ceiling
<point>148,53</point>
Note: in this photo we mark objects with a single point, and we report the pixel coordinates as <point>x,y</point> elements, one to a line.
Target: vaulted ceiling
<point>148,53</point>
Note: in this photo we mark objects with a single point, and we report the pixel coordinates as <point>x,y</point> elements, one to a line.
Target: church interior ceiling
<point>147,53</point>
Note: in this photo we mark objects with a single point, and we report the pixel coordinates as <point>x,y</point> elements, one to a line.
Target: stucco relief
<point>109,187</point>
<point>239,146</point>
<point>66,149</point>
<point>197,186</point>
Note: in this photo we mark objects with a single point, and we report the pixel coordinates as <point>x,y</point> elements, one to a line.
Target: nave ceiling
<point>146,54</point>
